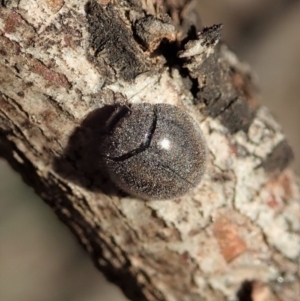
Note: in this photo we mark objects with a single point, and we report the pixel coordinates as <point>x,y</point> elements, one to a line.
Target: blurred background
<point>40,259</point>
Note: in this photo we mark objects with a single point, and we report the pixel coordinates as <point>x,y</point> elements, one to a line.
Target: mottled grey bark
<point>236,235</point>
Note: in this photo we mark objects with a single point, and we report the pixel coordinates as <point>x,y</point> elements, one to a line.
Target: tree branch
<point>236,235</point>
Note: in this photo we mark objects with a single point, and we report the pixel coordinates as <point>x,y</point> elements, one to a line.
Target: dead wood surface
<point>236,236</point>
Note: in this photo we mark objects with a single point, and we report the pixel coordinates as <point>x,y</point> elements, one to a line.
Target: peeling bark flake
<point>111,41</point>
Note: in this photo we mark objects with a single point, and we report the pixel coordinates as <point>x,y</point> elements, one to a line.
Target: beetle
<point>153,151</point>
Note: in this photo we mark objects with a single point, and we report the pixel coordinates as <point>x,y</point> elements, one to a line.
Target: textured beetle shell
<point>154,151</point>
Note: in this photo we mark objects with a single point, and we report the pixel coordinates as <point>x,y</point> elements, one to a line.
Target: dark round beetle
<point>153,151</point>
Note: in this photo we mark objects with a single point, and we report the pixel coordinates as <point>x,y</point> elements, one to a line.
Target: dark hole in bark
<point>245,292</point>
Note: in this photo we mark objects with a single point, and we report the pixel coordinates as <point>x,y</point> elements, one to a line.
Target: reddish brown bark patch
<point>244,85</point>
<point>226,233</point>
<point>279,190</point>
<point>52,77</point>
<point>55,5</point>
<point>8,48</point>
<point>11,23</point>
<point>273,202</point>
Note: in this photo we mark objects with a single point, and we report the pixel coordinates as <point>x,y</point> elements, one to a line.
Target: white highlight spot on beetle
<point>165,144</point>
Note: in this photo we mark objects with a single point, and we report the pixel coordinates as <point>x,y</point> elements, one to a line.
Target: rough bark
<point>235,236</point>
